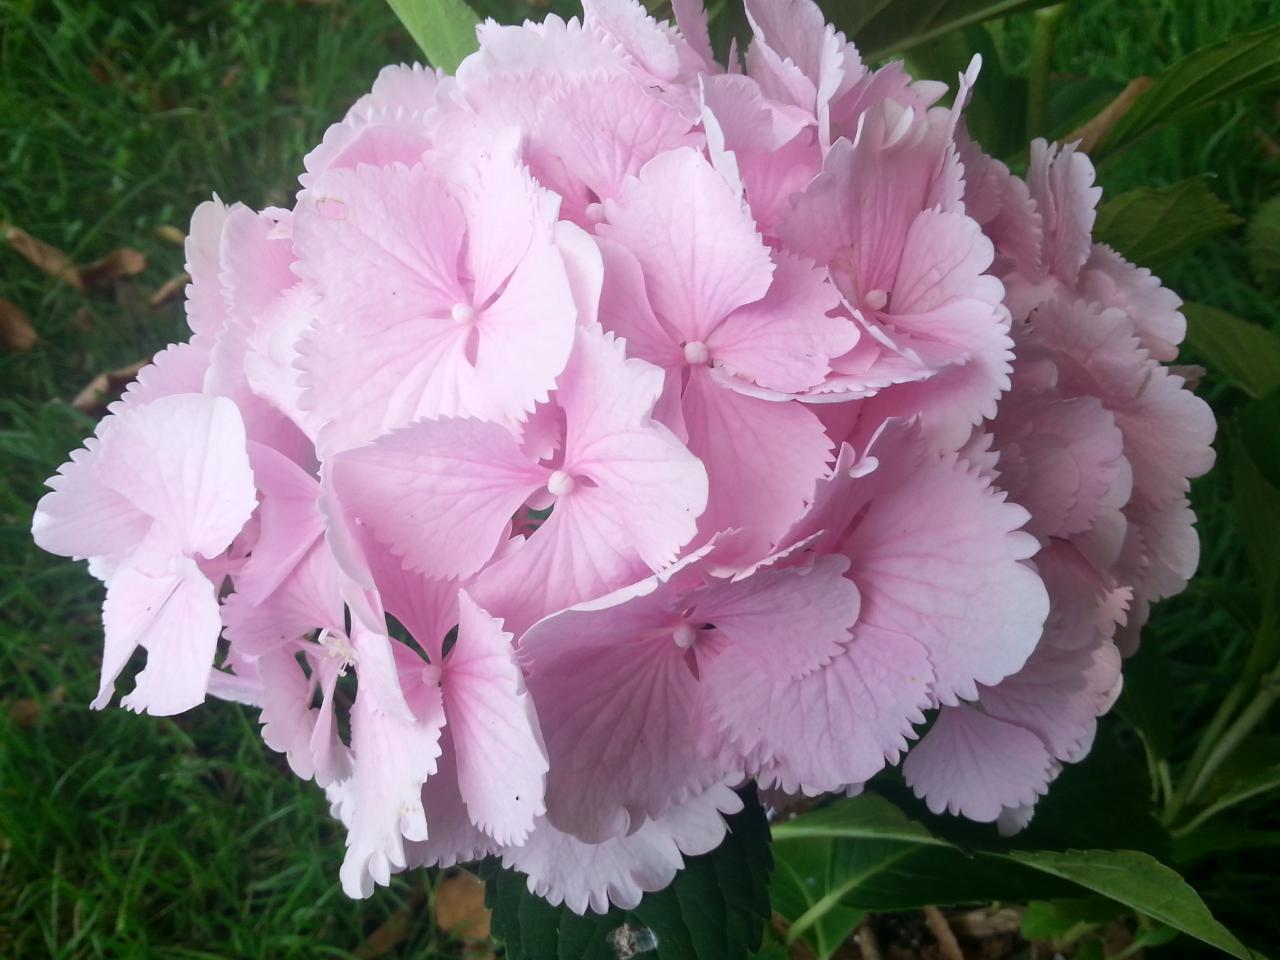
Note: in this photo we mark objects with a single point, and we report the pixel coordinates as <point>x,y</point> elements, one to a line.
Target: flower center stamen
<point>684,636</point>
<point>877,299</point>
<point>696,352</point>
<point>560,483</point>
<point>463,313</point>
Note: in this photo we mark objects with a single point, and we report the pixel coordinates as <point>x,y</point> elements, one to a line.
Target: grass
<point>124,836</point>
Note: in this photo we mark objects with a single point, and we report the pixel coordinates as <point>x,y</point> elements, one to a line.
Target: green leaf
<point>1141,883</point>
<point>715,909</point>
<point>1056,919</point>
<point>882,860</point>
<point>1264,244</point>
<point>1243,352</point>
<point>884,27</point>
<point>1154,226</point>
<point>1240,64</point>
<point>802,876</point>
<point>445,30</point>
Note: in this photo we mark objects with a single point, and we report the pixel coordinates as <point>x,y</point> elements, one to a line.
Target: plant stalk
<point>1046,25</point>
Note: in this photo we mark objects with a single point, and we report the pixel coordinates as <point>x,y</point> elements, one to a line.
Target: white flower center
<point>684,635</point>
<point>876,299</point>
<point>696,352</point>
<point>338,646</point>
<point>463,313</point>
<point>560,483</point>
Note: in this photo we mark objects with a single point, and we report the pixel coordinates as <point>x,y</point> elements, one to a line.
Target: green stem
<point>1208,740</point>
<point>1046,24</point>
<point>1249,718</point>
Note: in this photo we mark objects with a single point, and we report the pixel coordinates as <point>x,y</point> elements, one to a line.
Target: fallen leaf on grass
<point>25,712</point>
<point>394,930</point>
<point>106,387</point>
<point>461,913</point>
<point>123,262</point>
<point>171,234</point>
<point>43,256</point>
<point>16,333</point>
<point>171,288</point>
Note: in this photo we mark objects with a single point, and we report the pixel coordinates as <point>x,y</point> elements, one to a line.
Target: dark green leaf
<point>445,30</point>
<point>882,860</point>
<point>997,106</point>
<point>1240,64</point>
<point>1264,244</point>
<point>1148,698</point>
<point>1154,226</point>
<point>1243,352</point>
<point>715,909</point>
<point>883,27</point>
<point>1103,801</point>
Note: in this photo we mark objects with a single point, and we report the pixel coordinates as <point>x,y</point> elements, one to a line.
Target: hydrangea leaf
<point>1244,352</point>
<point>1264,244</point>
<point>883,860</point>
<point>716,908</point>
<point>1240,64</point>
<point>1154,226</point>
<point>882,27</point>
<point>444,29</point>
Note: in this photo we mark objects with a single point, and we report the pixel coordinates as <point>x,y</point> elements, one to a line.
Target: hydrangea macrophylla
<point>626,428</point>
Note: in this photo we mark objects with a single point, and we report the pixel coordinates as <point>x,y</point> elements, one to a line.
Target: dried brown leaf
<point>106,387</point>
<point>25,712</point>
<point>460,909</point>
<point>170,289</point>
<point>171,234</point>
<point>124,262</point>
<point>394,930</point>
<point>17,335</point>
<point>1095,131</point>
<point>43,256</point>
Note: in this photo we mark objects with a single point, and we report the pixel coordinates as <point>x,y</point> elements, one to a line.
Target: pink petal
<point>974,765</point>
<point>582,876</point>
<point>638,34</point>
<point>501,763</point>
<point>83,517</point>
<point>763,459</point>
<point>597,134</point>
<point>309,598</point>
<point>694,239</point>
<point>1113,281</point>
<point>439,493</point>
<point>399,334</point>
<point>645,485</point>
<point>174,617</point>
<point>1061,184</point>
<point>392,757</point>
<point>451,836</point>
<point>837,725</point>
<point>938,556</point>
<point>206,309</point>
<point>784,340</point>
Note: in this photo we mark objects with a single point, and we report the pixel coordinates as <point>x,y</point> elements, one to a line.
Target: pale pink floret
<point>625,685</point>
<point>472,317</point>
<point>162,487</point>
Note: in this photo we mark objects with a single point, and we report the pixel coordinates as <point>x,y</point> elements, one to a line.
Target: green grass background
<point>125,836</point>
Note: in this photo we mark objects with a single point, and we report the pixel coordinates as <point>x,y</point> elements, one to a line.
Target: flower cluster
<point>625,428</point>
